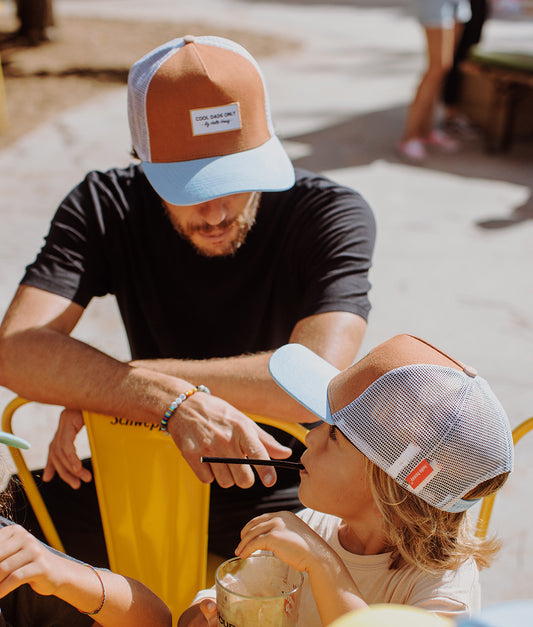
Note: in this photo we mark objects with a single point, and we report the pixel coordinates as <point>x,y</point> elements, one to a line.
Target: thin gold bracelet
<point>103,592</point>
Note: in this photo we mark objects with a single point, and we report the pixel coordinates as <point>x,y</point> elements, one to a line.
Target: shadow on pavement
<point>369,137</point>
<point>519,214</point>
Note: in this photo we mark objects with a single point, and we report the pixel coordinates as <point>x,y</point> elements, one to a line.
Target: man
<point>217,254</point>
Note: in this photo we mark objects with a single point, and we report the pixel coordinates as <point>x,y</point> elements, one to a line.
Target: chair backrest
<point>488,502</point>
<point>154,510</point>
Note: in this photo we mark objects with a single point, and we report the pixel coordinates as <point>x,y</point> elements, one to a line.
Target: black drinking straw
<point>279,463</point>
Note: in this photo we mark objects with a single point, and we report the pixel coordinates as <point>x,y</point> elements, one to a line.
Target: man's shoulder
<point>308,178</point>
<point>122,176</point>
<point>322,192</point>
<point>116,191</point>
<point>317,198</point>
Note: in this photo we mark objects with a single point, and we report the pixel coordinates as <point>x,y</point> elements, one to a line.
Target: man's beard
<point>243,223</point>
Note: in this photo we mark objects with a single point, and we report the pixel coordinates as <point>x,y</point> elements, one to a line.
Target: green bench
<point>511,78</point>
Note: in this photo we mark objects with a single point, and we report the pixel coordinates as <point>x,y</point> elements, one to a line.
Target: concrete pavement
<point>453,262</point>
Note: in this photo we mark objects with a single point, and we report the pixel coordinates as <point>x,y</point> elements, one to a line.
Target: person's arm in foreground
<point>294,542</point>
<point>41,362</point>
<point>245,382</point>
<point>126,603</point>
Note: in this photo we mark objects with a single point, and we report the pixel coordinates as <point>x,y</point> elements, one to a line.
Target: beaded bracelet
<point>103,593</point>
<point>177,402</point>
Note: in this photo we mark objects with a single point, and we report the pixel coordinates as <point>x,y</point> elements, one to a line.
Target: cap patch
<point>422,474</point>
<point>216,119</point>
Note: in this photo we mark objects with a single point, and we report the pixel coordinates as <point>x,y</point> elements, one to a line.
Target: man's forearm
<point>48,366</point>
<point>243,381</point>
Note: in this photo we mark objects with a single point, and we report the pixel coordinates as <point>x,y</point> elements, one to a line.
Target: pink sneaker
<point>460,127</point>
<point>439,139</point>
<point>412,150</point>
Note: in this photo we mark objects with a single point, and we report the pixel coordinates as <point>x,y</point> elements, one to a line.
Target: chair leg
<point>28,482</point>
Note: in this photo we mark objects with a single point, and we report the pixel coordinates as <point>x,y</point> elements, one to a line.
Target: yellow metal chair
<point>488,502</point>
<point>28,481</point>
<point>154,510</point>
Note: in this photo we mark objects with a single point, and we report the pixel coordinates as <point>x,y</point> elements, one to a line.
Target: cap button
<point>470,371</point>
<point>188,39</point>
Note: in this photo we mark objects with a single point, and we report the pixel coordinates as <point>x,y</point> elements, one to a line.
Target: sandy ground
<point>41,81</point>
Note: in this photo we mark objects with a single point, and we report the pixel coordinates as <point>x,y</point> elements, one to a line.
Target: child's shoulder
<point>455,591</point>
<point>324,524</point>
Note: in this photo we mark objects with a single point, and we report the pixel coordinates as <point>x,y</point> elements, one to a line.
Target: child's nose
<point>311,435</point>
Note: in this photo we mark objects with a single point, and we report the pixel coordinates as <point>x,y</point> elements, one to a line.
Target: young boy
<point>411,439</point>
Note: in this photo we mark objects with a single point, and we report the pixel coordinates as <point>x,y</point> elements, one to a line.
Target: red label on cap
<point>421,472</point>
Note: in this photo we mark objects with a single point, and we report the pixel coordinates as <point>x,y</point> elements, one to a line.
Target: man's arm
<point>40,361</point>
<point>244,381</point>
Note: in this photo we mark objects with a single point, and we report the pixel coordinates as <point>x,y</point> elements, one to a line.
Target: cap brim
<point>13,440</point>
<point>305,376</point>
<point>262,169</point>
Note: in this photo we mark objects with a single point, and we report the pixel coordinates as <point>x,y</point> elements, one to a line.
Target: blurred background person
<point>443,24</point>
<point>455,122</point>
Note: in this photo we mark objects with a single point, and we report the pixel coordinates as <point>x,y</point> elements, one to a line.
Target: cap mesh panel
<point>139,79</point>
<point>454,419</point>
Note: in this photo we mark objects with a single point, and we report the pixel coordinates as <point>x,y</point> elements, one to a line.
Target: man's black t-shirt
<point>308,252</point>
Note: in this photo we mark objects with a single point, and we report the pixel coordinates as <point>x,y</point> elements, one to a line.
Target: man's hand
<point>205,425</point>
<point>62,456</point>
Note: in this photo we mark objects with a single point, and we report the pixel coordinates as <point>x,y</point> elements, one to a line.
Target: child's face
<point>334,480</point>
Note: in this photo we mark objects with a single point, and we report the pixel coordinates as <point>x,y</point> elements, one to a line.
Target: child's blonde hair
<point>423,536</point>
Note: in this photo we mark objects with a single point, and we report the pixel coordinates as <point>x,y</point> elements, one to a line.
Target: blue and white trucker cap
<point>200,122</point>
<point>430,422</point>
